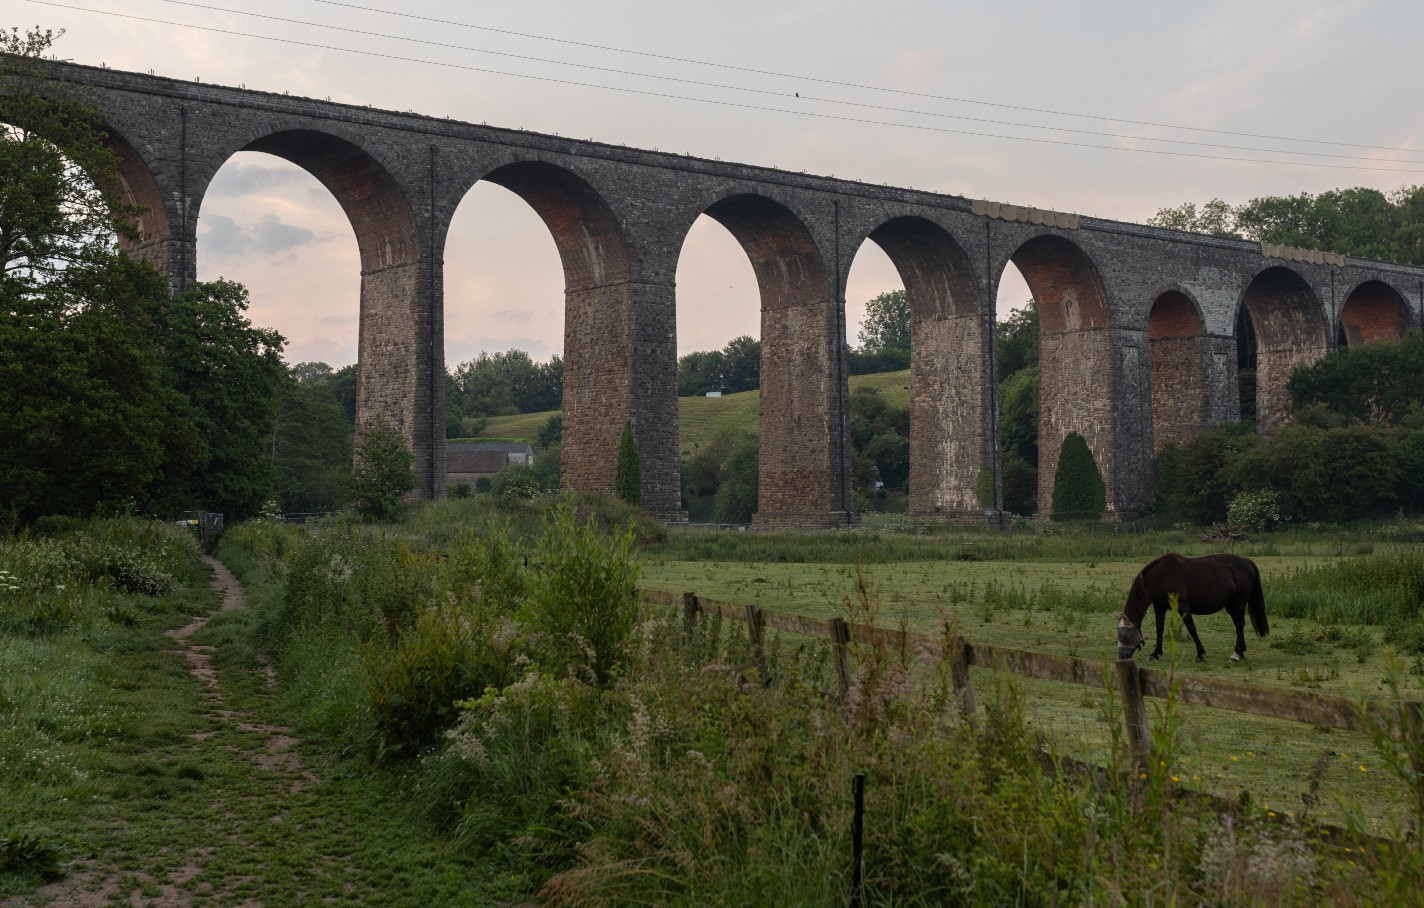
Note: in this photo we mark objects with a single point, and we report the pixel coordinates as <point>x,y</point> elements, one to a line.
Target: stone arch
<point>398,375</point>
<point>1177,368</point>
<point>948,365</point>
<point>1290,330</point>
<point>1374,312</point>
<point>803,471</point>
<point>1077,359</point>
<point>138,186</point>
<point>603,359</point>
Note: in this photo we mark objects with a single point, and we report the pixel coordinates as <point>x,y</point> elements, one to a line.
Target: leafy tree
<point>126,392</point>
<point>1016,340</point>
<point>1360,221</point>
<point>382,474</point>
<point>1215,218</point>
<point>310,443</point>
<point>551,433</point>
<point>1377,384</point>
<point>628,476</point>
<point>880,434</point>
<point>1079,492</point>
<point>736,498</point>
<point>887,323</point>
<point>226,375</point>
<point>1018,414</point>
<point>734,368</point>
<point>703,472</point>
<point>1020,484</point>
<point>55,217</point>
<point>1193,479</point>
<point>502,384</point>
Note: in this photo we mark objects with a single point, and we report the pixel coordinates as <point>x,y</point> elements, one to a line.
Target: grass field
<point>702,418</point>
<point>1069,608</point>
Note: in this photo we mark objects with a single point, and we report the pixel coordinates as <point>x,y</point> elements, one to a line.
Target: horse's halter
<point>1129,637</point>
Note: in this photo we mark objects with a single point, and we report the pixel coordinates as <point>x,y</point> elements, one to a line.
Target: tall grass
<point>1384,588</point>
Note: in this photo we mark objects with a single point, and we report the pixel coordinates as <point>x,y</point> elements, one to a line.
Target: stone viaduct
<point>1138,323</point>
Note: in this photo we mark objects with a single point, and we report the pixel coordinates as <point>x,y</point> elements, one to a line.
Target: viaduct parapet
<point>1138,323</point>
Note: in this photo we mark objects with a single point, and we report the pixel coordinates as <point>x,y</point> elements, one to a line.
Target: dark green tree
<point>736,498</point>
<point>1215,218</point>
<point>1376,384</point>
<point>887,323</point>
<point>381,474</point>
<point>699,372</point>
<point>1079,492</point>
<point>1016,340</point>
<point>628,478</point>
<point>741,364</point>
<point>311,442</point>
<point>1018,414</point>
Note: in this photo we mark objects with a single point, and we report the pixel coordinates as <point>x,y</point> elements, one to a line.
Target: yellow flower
<point>1250,754</point>
<point>1234,758</point>
<point>1175,779</point>
<point>1144,775</point>
<point>1362,768</point>
<point>1270,813</point>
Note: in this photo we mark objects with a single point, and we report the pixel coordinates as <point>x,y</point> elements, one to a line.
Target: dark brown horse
<point>1202,586</point>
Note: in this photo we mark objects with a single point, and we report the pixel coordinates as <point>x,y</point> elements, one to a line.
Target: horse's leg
<point>1238,614</point>
<point>1192,629</point>
<point>1161,610</point>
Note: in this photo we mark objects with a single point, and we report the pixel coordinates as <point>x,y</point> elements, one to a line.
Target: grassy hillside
<point>701,418</point>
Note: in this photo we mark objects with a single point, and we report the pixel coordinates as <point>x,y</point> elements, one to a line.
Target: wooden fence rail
<point>1132,681</point>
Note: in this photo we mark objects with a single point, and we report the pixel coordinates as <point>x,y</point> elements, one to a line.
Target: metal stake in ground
<point>857,838</point>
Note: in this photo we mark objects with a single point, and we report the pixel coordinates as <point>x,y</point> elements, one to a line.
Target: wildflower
<point>1234,758</point>
<point>1175,779</point>
<point>1362,768</point>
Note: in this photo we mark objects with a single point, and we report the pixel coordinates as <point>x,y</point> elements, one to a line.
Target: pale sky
<point>1345,71</point>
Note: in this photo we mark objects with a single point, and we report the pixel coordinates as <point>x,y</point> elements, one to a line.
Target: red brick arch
<point>1177,363</point>
<point>1374,312</point>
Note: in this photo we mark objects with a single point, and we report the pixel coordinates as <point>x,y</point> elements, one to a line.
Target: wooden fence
<point>1133,682</point>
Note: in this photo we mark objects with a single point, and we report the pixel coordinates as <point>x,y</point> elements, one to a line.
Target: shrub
<point>1078,489</point>
<point>460,490</point>
<point>628,480</point>
<point>1256,510</point>
<point>448,654</point>
<point>515,481</point>
<point>583,600</point>
<point>382,473</point>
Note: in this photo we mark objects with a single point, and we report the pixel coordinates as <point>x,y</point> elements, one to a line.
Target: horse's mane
<point>1137,600</point>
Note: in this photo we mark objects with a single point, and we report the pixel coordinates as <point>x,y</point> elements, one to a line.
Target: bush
<point>1078,489</point>
<point>583,600</point>
<point>382,473</point>
<point>1257,510</point>
<point>515,481</point>
<point>460,490</point>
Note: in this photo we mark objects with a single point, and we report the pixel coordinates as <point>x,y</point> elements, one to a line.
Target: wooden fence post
<point>1134,708</point>
<point>959,675</point>
<point>754,636</point>
<point>689,614</point>
<point>840,638</point>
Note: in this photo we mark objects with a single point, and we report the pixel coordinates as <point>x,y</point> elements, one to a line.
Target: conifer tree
<point>628,481</point>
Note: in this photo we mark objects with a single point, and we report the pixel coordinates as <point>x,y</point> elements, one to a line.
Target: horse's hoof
<point>1155,656</point>
<point>1235,657</point>
<point>1199,658</point>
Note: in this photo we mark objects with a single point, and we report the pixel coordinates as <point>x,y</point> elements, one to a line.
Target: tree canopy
<point>1360,221</point>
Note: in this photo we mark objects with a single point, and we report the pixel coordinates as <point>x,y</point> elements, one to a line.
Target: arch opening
<point>718,328</point>
<point>1373,313</point>
<point>947,445</point>
<point>803,459</point>
<point>1177,368</point>
<point>503,338</point>
<point>1289,330</point>
<point>1076,359</point>
<point>271,225</point>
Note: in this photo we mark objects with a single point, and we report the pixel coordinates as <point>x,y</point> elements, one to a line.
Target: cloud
<point>224,237</point>
<point>238,179</point>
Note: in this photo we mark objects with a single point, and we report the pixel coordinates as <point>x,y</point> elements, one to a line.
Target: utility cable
<point>857,85</point>
<point>786,94</point>
<point>718,102</point>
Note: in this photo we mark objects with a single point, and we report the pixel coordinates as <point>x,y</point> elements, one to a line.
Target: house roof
<point>465,461</point>
<point>506,447</point>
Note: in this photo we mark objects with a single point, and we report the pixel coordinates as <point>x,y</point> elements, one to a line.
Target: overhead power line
<point>858,85</point>
<point>719,102</point>
<point>788,94</point>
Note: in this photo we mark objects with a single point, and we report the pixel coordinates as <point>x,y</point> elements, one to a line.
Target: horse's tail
<point>1257,604</point>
